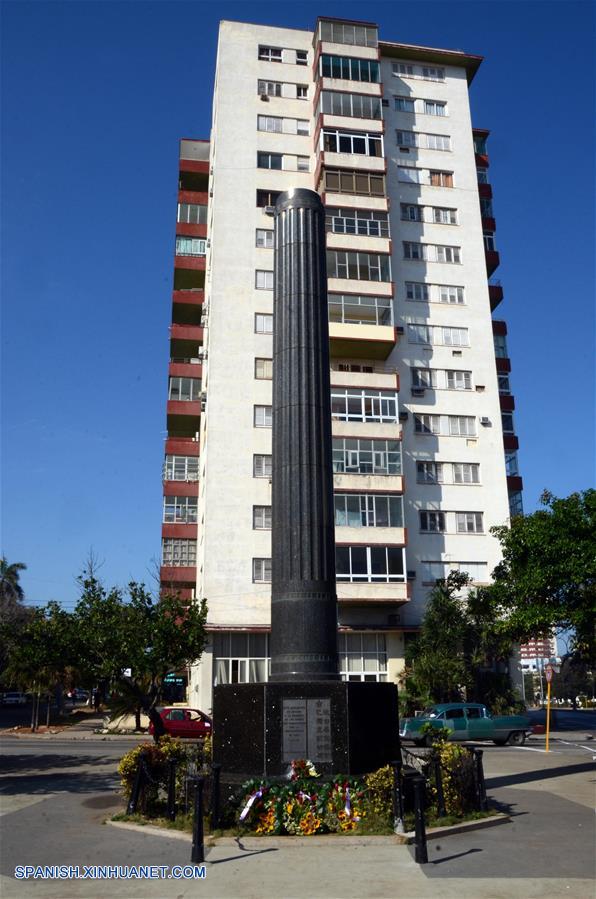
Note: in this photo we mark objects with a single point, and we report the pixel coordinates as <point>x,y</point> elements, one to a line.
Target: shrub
<point>457,771</point>
<point>380,792</point>
<point>157,756</point>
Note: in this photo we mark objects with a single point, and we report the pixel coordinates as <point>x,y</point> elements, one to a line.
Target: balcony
<point>181,447</point>
<point>362,242</point>
<point>370,536</point>
<point>499,327</point>
<point>360,341</point>
<point>185,368</point>
<point>495,294</point>
<point>188,279</point>
<point>196,198</point>
<point>379,376</point>
<point>191,333</point>
<point>183,418</point>
<point>514,483</point>
<point>367,430</point>
<point>191,297</point>
<point>184,531</point>
<point>364,483</point>
<point>371,594</point>
<point>178,574</point>
<point>486,191</point>
<point>189,229</point>
<point>510,442</point>
<point>488,223</point>
<point>193,177</point>
<point>354,161</point>
<point>493,261</point>
<point>503,365</point>
<point>507,402</point>
<point>192,263</point>
<point>181,488</point>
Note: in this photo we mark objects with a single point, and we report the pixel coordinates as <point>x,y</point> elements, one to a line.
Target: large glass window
<point>181,468</point>
<point>358,266</point>
<point>358,106</point>
<point>511,463</point>
<point>263,416</point>
<point>369,222</point>
<point>370,563</point>
<point>362,657</point>
<point>500,342</point>
<point>180,509</point>
<point>261,571</point>
<point>368,510</point>
<point>185,389</point>
<point>263,280</point>
<point>360,310</point>
<point>348,69</point>
<point>269,160</point>
<point>516,506</point>
<point>192,214</point>
<point>263,323</point>
<point>352,142</point>
<point>350,404</point>
<point>346,33</point>
<point>240,658</point>
<point>270,88</point>
<point>178,552</point>
<point>264,369</point>
<point>469,522</point>
<point>358,183</point>
<point>261,518</point>
<point>357,456</point>
<point>432,522</point>
<point>261,466</point>
<point>466,473</point>
<point>190,246</point>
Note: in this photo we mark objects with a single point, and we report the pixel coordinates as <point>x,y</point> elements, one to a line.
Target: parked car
<point>181,722</point>
<point>82,695</point>
<point>14,699</point>
<point>467,721</point>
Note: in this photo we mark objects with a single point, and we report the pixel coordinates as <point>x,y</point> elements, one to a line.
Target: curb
<point>434,833</point>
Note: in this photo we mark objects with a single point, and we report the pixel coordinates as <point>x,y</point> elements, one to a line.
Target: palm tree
<point>10,589</point>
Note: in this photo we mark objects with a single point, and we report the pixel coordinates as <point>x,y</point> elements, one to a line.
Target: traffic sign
<point>548,673</point>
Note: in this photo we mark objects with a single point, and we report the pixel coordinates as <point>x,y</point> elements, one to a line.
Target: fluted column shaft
<point>303,598</point>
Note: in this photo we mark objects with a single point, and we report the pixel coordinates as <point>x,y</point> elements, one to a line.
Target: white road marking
<point>531,749</point>
<point>579,745</point>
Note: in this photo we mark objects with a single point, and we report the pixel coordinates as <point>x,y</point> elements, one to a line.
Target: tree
<point>150,636</point>
<point>10,589</point>
<point>13,613</point>
<point>547,579</point>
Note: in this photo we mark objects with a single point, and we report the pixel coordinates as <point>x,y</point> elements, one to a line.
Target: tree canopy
<point>547,579</point>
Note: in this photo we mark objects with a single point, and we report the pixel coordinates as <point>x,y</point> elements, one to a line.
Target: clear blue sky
<point>94,99</point>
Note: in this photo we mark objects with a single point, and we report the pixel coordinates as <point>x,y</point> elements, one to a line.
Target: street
<point>56,793</point>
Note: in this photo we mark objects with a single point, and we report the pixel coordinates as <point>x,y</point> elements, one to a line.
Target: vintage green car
<point>467,721</point>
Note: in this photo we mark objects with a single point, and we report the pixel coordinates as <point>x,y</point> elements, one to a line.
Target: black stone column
<point>303,598</point>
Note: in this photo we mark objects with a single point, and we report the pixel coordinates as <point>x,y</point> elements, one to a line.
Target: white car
<point>14,699</point>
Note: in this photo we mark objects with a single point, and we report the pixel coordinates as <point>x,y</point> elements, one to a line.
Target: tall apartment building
<point>423,439</point>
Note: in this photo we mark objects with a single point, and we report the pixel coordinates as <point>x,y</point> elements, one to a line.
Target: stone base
<point>342,727</point>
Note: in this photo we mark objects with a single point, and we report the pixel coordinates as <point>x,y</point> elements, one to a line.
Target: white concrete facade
<point>376,616</point>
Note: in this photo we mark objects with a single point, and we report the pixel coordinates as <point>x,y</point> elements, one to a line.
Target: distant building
<point>424,445</point>
<point>536,653</point>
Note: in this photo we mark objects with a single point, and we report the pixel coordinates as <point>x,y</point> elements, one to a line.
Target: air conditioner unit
<point>485,421</point>
<point>265,98</point>
<point>412,575</point>
<point>403,416</point>
<point>203,404</point>
<point>385,103</point>
<point>480,388</point>
<point>417,391</point>
<point>269,210</point>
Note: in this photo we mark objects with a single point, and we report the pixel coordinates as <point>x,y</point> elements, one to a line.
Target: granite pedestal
<point>343,728</point>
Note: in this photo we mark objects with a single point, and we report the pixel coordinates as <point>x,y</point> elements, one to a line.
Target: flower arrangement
<point>302,806</point>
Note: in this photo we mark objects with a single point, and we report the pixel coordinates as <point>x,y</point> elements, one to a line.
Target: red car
<point>184,723</point>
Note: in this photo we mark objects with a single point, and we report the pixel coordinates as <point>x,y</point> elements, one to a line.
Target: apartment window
<point>359,183</point>
<point>348,69</point>
<point>362,657</point>
<point>458,380</point>
<point>423,141</point>
<point>261,466</point>
<point>358,266</point>
<point>269,88</point>
<point>404,104</point>
<point>441,179</point>
<point>302,127</point>
<point>489,240</point>
<point>411,175</point>
<point>270,54</point>
<point>368,511</point>
<point>414,250</point>
<point>486,207</point>
<point>416,290</point>
<point>263,323</point>
<point>433,571</point>
<point>261,518</point>
<point>448,254</point>
<point>263,416</point>
<point>429,472</point>
<point>444,216</point>
<point>345,33</point>
<point>420,333</point>
<point>424,378</point>
<point>462,426</point>
<point>354,456</point>
<point>302,164</point>
<point>482,175</point>
<point>402,68</point>
<point>504,385</point>
<point>516,506</point>
<point>435,107</point>
<point>192,214</point>
<point>180,509</point>
<point>369,563</point>
<point>270,123</point>
<point>190,246</point>
<point>264,238</point>
<point>453,336</point>
<point>240,658</point>
<point>469,522</point>
<point>302,91</point>
<point>261,571</point>
<point>350,404</point>
<point>427,424</point>
<point>358,106</point>
<point>181,468</point>
<point>437,335</point>
<point>301,57</point>
<point>368,222</point>
<point>433,73</point>
<point>411,212</point>
<point>466,473</point>
<point>431,252</point>
<point>479,144</point>
<point>263,280</point>
<point>269,160</point>
<point>263,369</point>
<point>267,197</point>
<point>352,142</point>
<point>360,310</point>
<point>177,553</point>
<point>507,421</point>
<point>184,389</point>
<point>511,464</point>
<point>432,522</point>
<point>451,294</point>
<point>500,342</point>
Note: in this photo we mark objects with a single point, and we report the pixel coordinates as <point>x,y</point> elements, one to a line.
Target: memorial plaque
<point>319,730</point>
<point>294,729</point>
